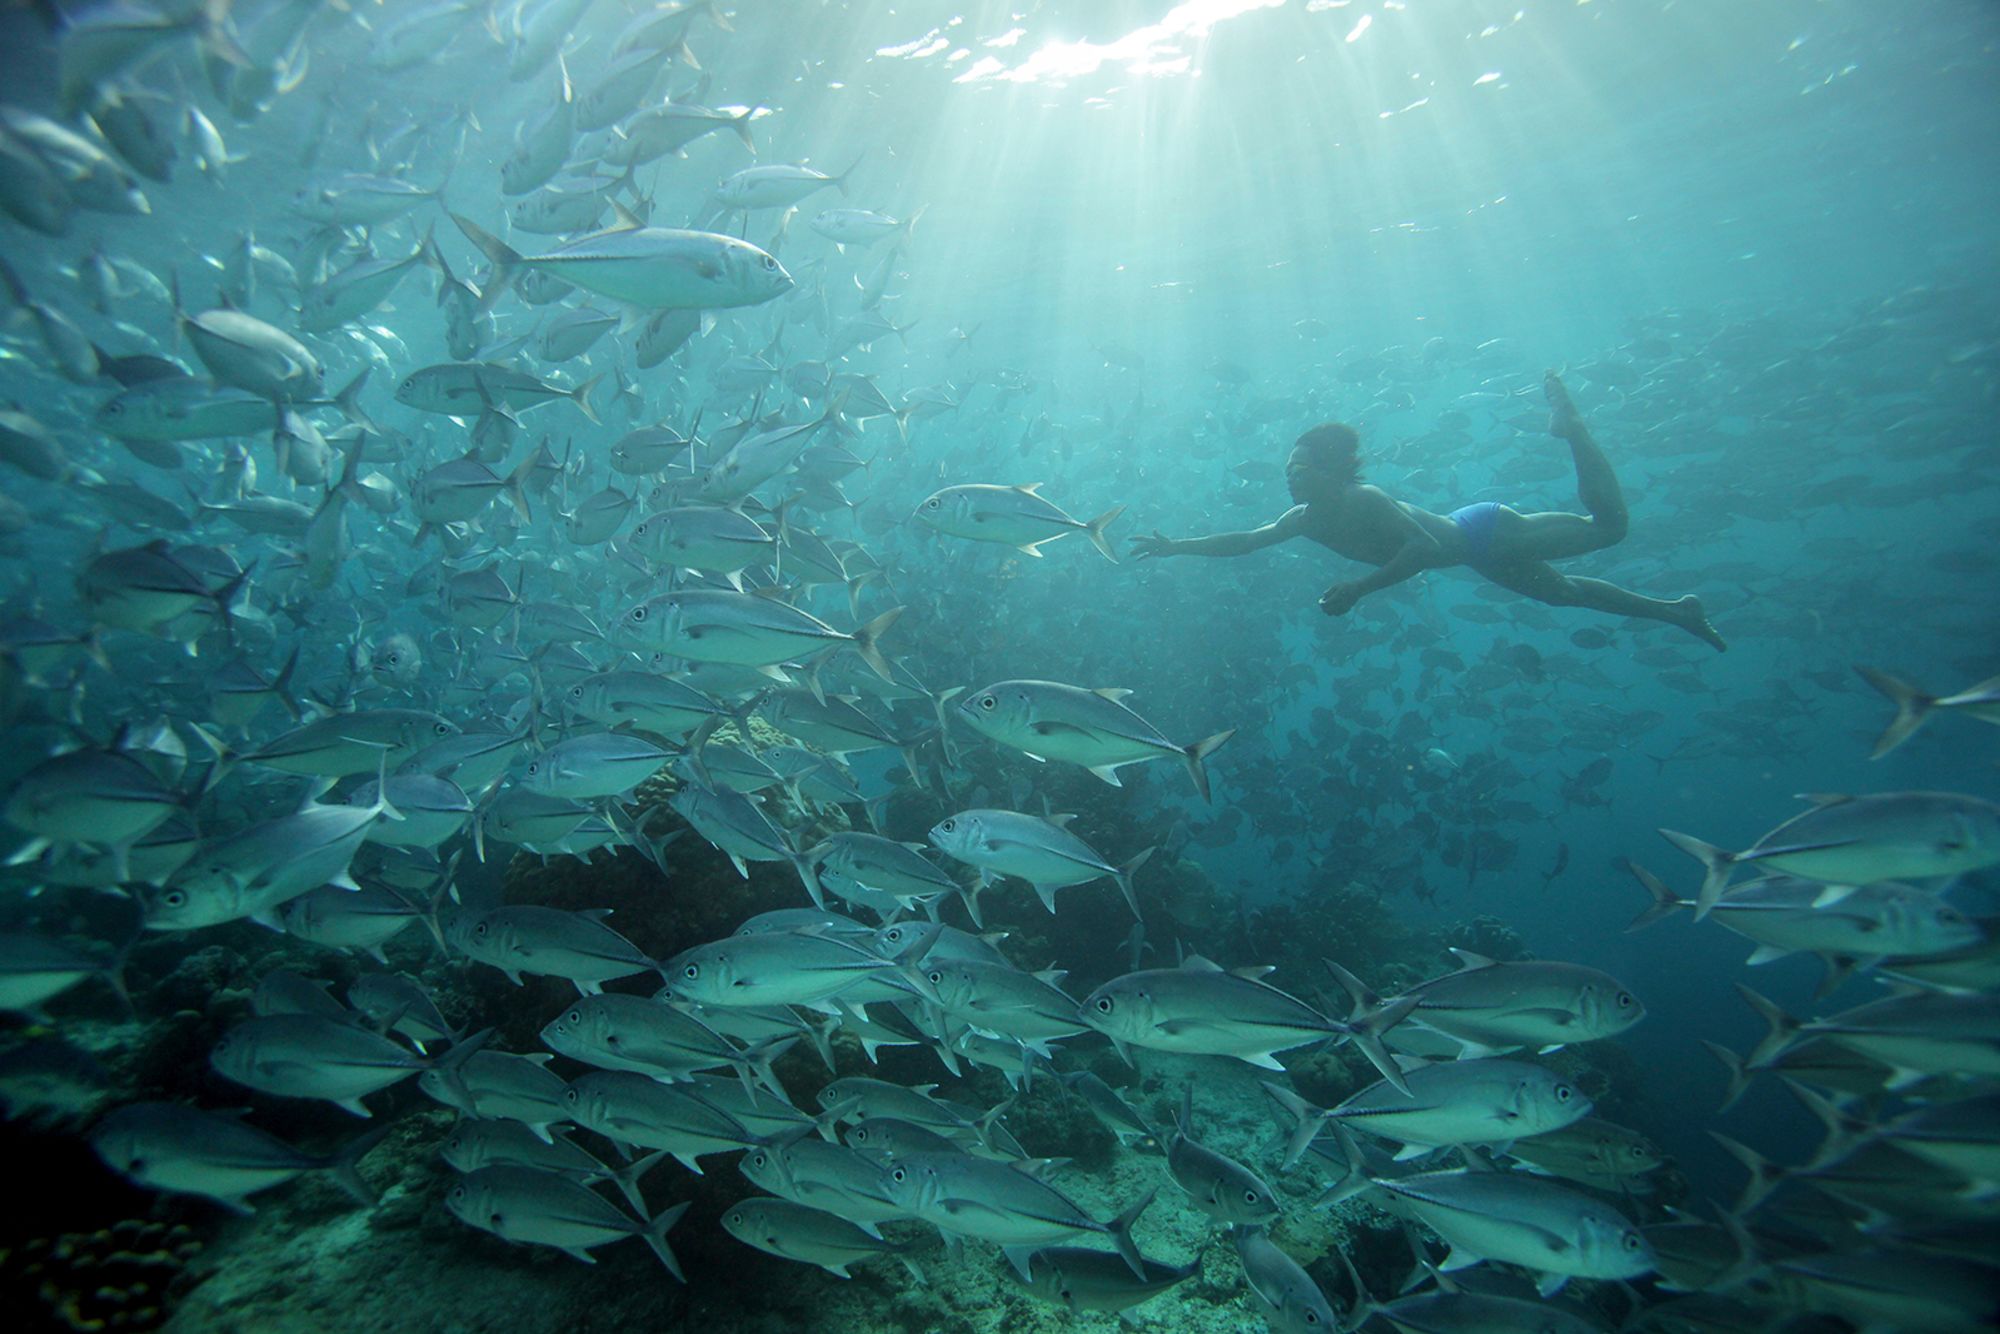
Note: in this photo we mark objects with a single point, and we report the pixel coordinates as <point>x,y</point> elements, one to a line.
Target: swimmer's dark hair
<point>1334,449</point>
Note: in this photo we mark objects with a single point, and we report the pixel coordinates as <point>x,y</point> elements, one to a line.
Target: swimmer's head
<point>1323,461</point>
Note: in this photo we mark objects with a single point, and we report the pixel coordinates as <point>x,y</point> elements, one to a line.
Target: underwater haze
<point>860,666</point>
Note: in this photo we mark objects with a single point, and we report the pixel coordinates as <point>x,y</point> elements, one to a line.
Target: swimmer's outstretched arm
<point>1420,553</point>
<point>1282,529</point>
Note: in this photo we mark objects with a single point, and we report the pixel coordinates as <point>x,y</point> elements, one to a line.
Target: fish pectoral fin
<point>1560,1018</point>
<point>1458,1260</point>
<point>1106,773</point>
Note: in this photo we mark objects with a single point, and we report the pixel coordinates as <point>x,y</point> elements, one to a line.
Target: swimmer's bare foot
<point>1695,621</point>
<point>1563,419</point>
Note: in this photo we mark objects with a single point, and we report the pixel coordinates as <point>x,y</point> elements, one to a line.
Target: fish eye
<point>1104,1005</point>
<point>1631,1241</point>
<point>571,1096</point>
<point>576,1016</point>
<point>770,263</point>
<point>737,1218</point>
<point>1249,1197</point>
<point>576,692</point>
<point>115,408</point>
<point>534,767</point>
<point>1563,1093</point>
<point>935,977</point>
<point>1637,1151</point>
<point>948,826</point>
<point>442,728</point>
<point>691,972</point>
<point>898,1174</point>
<point>1312,1317</point>
<point>458,1192</point>
<point>932,503</point>
<point>175,898</point>
<point>1625,1000</point>
<point>989,703</point>
<point>391,659</point>
<point>480,930</point>
<point>758,1160</point>
<point>639,613</point>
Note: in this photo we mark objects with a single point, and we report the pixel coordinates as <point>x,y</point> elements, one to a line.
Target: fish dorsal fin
<point>1060,821</point>
<point>1824,799</point>
<point>1195,963</point>
<point>1031,489</point>
<point>1254,973</point>
<point>1469,961</point>
<point>1052,975</point>
<point>1112,693</point>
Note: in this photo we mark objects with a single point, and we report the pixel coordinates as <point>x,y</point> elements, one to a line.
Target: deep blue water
<point>1156,243</point>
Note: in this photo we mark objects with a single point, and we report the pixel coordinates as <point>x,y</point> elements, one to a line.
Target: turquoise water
<point>1126,253</point>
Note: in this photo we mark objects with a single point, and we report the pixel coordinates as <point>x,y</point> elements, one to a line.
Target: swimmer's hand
<point>1339,600</point>
<point>1148,545</point>
<point>1563,419</point>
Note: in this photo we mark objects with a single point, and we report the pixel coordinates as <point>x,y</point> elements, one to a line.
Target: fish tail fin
<point>656,1238</point>
<point>348,401</point>
<point>1912,707</point>
<point>451,1065</point>
<point>1665,902</point>
<point>517,488</point>
<point>435,904</point>
<point>1309,1117</point>
<point>506,260</point>
<point>757,1062</point>
<point>1199,751</point>
<point>226,759</point>
<point>1124,877</point>
<point>627,1180</point>
<point>581,397</point>
<point>1354,1180</point>
<point>867,638</point>
<point>1765,1175</point>
<point>1094,530</point>
<point>1739,1073</point>
<point>803,864</point>
<point>840,184</point>
<point>211,23</point>
<point>344,1165</point>
<point>1365,1028</point>
<point>822,1039</point>
<point>281,686</point>
<point>226,596</point>
<point>1356,989</point>
<point>1716,863</point>
<point>1843,1129</point>
<point>383,807</point>
<point>1782,1028</point>
<point>741,124</point>
<point>1121,1233</point>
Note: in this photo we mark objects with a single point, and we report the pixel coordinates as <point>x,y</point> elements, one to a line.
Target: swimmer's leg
<point>1596,485</point>
<point>1541,582</point>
